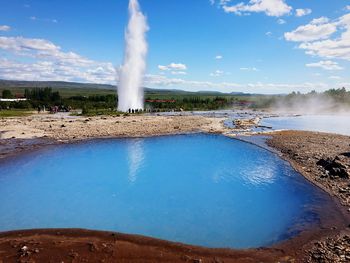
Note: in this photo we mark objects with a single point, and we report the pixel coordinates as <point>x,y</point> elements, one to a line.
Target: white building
<point>12,100</point>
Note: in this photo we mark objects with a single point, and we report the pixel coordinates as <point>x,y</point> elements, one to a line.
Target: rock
<point>73,255</point>
<point>336,167</point>
<point>92,247</point>
<point>24,248</point>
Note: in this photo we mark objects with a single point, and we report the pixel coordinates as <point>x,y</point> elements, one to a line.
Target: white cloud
<point>258,87</point>
<point>335,77</point>
<point>219,57</point>
<point>281,21</point>
<point>5,28</point>
<point>249,69</point>
<point>317,29</point>
<point>34,18</point>
<point>163,68</point>
<point>51,63</point>
<point>178,72</point>
<point>325,64</point>
<point>269,7</point>
<point>347,7</point>
<point>41,49</point>
<point>173,66</point>
<point>302,12</point>
<point>216,73</point>
<point>54,71</point>
<point>268,33</point>
<point>320,20</point>
<point>317,40</point>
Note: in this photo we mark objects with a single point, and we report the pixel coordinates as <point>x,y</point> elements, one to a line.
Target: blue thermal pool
<point>199,189</point>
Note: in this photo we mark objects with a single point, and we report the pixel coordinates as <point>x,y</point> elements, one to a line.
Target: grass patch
<point>14,113</point>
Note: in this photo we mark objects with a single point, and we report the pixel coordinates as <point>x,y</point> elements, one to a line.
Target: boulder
<point>337,167</point>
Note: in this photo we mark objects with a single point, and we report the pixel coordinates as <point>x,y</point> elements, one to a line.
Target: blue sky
<point>262,46</point>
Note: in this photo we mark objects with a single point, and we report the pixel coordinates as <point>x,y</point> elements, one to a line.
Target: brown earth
<point>76,245</point>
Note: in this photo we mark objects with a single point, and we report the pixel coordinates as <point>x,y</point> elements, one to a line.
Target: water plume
<point>130,89</point>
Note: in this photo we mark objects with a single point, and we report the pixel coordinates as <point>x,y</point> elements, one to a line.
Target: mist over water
<point>130,90</point>
<point>321,112</point>
<point>317,104</point>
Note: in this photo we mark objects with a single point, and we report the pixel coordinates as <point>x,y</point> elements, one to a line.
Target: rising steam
<point>130,90</point>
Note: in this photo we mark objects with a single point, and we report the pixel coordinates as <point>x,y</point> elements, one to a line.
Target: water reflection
<point>136,158</point>
<point>261,174</point>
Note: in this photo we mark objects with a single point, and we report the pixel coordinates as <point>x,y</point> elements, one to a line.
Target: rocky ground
<point>332,249</point>
<point>64,127</point>
<point>324,159</point>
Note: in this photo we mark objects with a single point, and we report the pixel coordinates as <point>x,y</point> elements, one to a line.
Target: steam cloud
<point>130,90</point>
<point>314,104</point>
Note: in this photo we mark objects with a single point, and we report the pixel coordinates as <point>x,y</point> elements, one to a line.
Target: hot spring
<point>199,189</point>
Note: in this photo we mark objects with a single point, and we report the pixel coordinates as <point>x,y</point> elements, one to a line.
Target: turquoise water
<point>198,189</point>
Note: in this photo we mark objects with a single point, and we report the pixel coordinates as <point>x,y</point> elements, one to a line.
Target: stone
<point>24,248</point>
<point>335,168</point>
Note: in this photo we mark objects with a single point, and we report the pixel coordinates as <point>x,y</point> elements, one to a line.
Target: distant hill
<point>70,88</point>
<point>53,84</point>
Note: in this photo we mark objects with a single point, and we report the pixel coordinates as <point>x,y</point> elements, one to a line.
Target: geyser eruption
<point>130,90</point>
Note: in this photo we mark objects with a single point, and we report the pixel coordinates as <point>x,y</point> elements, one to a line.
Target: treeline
<point>190,103</point>
<point>46,97</point>
<point>335,98</point>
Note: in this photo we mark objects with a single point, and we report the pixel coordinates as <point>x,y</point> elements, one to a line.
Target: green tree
<point>6,94</point>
